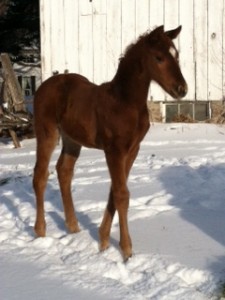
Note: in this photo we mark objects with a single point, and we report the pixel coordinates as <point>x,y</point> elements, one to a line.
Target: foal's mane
<point>129,62</point>
<point>132,66</point>
<point>136,46</point>
<point>150,37</point>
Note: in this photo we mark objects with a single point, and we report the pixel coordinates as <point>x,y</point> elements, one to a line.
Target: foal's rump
<point>65,102</point>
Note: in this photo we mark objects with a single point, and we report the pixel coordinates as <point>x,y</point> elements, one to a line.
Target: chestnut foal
<point>112,116</point>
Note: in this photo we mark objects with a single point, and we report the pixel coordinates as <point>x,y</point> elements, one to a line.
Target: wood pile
<point>14,116</point>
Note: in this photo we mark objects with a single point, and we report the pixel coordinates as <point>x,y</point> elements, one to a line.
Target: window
<point>27,84</point>
<point>196,110</point>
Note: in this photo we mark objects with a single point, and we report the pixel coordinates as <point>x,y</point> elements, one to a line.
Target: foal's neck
<point>132,82</point>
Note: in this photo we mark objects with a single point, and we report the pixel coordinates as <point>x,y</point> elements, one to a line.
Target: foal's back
<point>58,92</point>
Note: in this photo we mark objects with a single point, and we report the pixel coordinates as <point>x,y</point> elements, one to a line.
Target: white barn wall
<point>113,37</point>
<point>215,49</point>
<point>186,44</point>
<point>88,37</point>
<point>171,20</point>
<point>156,17</point>
<point>85,49</point>
<point>71,35</point>
<point>99,35</point>
<point>201,49</point>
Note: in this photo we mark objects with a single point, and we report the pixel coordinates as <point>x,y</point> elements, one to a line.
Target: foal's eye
<point>159,59</point>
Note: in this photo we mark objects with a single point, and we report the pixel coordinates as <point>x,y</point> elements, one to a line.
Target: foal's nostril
<point>182,90</point>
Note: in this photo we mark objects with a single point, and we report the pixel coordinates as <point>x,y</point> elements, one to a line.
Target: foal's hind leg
<point>65,166</point>
<point>45,146</point>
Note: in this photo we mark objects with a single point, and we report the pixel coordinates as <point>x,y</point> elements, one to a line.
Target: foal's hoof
<point>126,257</point>
<point>103,246</point>
<point>73,228</point>
<point>126,253</point>
<point>39,232</point>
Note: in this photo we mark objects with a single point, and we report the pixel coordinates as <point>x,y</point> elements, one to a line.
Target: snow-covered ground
<point>176,219</point>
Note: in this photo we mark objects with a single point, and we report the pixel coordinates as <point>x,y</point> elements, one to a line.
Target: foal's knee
<point>121,198</point>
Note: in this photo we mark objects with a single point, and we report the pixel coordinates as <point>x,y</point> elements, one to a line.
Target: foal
<point>112,116</point>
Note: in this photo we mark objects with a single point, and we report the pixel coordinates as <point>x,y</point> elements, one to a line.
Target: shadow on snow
<point>199,193</point>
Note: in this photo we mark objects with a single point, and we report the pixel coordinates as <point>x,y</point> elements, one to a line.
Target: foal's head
<point>163,61</point>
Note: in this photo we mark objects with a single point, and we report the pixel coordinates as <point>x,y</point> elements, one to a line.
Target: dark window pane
<point>171,112</point>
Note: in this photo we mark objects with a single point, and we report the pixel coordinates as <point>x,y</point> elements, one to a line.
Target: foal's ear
<point>158,30</point>
<point>172,34</point>
<point>156,34</point>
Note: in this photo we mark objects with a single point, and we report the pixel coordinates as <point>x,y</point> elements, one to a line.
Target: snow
<point>176,221</point>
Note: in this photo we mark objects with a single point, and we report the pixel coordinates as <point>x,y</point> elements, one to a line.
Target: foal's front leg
<point>104,230</point>
<point>119,200</point>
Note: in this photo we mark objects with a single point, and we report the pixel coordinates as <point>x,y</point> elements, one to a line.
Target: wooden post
<point>14,138</point>
<point>12,83</point>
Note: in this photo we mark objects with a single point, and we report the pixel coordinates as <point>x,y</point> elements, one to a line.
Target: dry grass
<point>154,111</point>
<point>218,113</point>
<point>183,119</point>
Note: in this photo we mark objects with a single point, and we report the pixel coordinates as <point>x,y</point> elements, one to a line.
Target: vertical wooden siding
<point>88,37</point>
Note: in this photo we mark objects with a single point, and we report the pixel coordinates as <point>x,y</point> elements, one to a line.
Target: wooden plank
<point>156,13</point>
<point>15,139</point>
<point>114,36</point>
<point>142,17</point>
<point>99,45</point>
<point>45,31</point>
<point>12,83</point>
<point>6,97</point>
<point>99,7</point>
<point>57,37</point>
<point>86,62</point>
<point>171,21</point>
<point>215,50</point>
<point>200,49</point>
<point>128,23</point>
<point>186,46</point>
<point>156,18</point>
<point>85,7</point>
<point>171,14</point>
<point>71,25</point>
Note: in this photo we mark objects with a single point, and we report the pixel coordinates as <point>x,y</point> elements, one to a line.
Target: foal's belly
<point>81,133</point>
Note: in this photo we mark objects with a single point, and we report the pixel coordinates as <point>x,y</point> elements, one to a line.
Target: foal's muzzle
<point>180,91</point>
